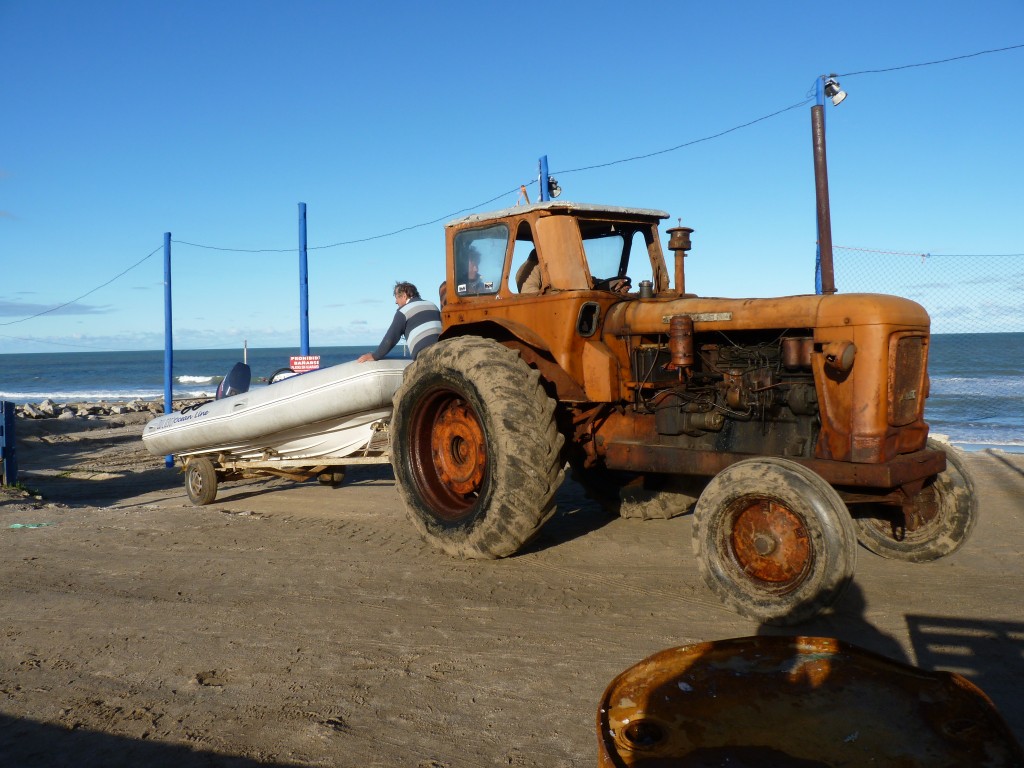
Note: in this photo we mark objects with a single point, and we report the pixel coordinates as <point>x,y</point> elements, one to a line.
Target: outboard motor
<point>236,382</point>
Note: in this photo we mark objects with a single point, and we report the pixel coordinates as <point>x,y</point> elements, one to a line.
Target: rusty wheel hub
<point>458,448</point>
<point>770,543</point>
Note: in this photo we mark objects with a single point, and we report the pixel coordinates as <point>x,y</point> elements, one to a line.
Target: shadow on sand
<point>32,744</point>
<point>76,489</point>
<point>986,652</point>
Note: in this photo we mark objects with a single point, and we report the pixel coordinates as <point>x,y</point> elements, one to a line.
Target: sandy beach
<point>300,624</point>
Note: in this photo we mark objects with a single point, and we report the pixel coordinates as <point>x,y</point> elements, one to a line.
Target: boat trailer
<point>206,470</point>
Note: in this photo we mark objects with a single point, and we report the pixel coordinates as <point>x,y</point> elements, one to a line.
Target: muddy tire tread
<point>524,447</point>
<point>830,526</point>
<point>954,527</point>
<point>201,481</point>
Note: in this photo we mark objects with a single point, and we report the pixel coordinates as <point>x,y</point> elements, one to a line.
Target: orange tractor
<point>792,427</point>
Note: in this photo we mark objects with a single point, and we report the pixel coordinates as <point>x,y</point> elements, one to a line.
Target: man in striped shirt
<point>417,319</point>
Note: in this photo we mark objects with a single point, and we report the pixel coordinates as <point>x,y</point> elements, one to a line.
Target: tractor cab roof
<point>586,210</point>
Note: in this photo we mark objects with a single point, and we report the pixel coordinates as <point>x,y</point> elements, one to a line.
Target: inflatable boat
<point>331,412</point>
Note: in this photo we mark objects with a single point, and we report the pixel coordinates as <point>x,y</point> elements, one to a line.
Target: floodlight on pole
<point>833,91</point>
<point>549,188</point>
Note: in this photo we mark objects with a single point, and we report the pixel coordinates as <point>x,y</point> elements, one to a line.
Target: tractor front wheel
<point>774,540</point>
<point>946,511</point>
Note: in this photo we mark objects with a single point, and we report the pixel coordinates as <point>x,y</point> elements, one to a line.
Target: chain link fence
<point>963,294</point>
<point>976,304</point>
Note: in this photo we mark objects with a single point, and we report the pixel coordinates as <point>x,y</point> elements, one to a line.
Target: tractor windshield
<point>479,257</point>
<point>609,245</point>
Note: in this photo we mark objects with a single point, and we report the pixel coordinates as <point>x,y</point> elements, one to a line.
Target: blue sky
<point>213,120</point>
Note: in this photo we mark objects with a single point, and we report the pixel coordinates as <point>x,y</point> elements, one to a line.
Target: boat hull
<point>327,412</point>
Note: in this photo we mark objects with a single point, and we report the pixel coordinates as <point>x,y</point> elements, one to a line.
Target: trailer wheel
<point>774,540</point>
<point>201,481</point>
<point>476,451</point>
<point>948,509</point>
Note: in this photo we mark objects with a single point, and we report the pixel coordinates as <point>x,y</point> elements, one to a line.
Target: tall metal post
<point>8,445</point>
<point>168,339</point>
<point>544,196</point>
<point>819,100</point>
<point>303,285</point>
<point>824,277</point>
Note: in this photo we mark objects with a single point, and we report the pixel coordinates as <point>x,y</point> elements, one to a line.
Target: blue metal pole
<point>168,339</point>
<point>8,445</point>
<point>819,97</point>
<point>544,196</point>
<point>303,284</point>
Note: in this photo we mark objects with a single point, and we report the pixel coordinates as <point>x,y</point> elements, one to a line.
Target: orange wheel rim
<point>770,543</point>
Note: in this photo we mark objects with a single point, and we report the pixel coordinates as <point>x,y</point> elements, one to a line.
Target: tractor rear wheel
<point>774,540</point>
<point>475,448</point>
<point>947,510</point>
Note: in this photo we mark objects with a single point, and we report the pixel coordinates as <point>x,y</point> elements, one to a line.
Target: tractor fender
<point>533,349</point>
<point>488,329</point>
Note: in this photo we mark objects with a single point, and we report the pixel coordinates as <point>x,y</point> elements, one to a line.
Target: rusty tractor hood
<point>810,311</point>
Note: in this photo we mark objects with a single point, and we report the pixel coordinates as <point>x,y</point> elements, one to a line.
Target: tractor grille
<point>907,356</point>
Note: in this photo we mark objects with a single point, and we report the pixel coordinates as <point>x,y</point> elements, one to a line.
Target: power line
<point>235,250</point>
<point>424,224</point>
<point>930,63</point>
<point>688,143</point>
<point>87,293</point>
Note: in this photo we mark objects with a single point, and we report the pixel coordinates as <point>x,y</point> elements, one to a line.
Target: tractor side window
<point>479,260</point>
<point>525,276</point>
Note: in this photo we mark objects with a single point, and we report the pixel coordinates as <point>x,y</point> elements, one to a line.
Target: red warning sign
<point>303,363</point>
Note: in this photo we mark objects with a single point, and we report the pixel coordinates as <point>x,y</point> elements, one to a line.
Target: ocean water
<point>977,389</point>
<point>977,380</point>
<point>93,376</point>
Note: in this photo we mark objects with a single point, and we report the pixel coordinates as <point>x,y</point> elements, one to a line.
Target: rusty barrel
<point>795,701</point>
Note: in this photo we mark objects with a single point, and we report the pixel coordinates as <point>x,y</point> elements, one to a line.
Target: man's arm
<point>392,337</point>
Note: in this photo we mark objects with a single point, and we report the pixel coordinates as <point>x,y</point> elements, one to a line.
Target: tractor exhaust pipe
<point>679,243</point>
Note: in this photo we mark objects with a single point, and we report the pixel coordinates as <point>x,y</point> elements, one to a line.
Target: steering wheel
<point>614,284</point>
